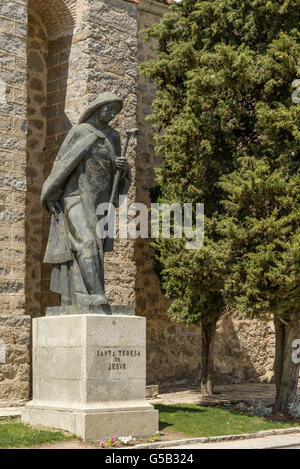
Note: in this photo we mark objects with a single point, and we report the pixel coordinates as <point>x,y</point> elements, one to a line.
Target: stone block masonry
<point>13,127</point>
<point>37,121</point>
<point>14,324</point>
<point>15,334</point>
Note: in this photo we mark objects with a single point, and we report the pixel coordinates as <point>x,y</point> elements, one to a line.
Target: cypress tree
<point>262,212</point>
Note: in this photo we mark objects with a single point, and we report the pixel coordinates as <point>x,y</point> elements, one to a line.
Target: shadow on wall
<point>244,350</point>
<point>50,30</point>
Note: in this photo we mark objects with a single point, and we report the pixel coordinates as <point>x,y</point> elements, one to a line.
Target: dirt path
<point>70,444</point>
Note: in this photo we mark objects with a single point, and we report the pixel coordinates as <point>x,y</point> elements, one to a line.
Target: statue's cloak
<point>75,147</point>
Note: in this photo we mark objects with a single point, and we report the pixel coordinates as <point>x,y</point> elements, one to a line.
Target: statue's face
<point>107,112</point>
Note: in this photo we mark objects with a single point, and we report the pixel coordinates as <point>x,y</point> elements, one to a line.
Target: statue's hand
<point>54,208</point>
<point>122,165</point>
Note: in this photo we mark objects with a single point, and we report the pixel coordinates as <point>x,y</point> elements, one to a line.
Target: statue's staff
<point>129,134</point>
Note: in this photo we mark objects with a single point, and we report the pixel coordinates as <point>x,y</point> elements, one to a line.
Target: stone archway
<point>50,30</point>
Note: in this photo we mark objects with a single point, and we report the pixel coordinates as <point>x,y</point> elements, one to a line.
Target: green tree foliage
<point>263,230</point>
<point>262,208</point>
<point>223,115</point>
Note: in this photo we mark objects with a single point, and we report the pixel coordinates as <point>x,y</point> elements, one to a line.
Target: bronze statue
<point>86,172</point>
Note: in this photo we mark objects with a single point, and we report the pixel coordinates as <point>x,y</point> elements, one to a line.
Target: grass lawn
<point>176,421</point>
<point>16,434</point>
<point>195,421</point>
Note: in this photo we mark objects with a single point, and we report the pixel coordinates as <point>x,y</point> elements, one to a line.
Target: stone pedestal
<point>89,376</point>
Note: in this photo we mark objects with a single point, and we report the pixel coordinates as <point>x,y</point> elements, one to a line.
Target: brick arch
<point>58,16</point>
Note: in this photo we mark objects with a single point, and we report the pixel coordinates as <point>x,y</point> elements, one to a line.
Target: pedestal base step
<point>95,425</point>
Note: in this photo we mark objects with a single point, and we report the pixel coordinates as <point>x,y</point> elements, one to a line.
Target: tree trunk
<point>208,331</point>
<point>279,352</point>
<point>286,371</point>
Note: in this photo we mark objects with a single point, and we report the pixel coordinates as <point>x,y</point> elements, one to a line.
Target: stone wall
<point>58,124</point>
<point>37,50</point>
<point>15,341</point>
<point>14,325</point>
<point>245,350</point>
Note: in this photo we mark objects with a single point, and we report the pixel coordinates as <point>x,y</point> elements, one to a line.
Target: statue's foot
<point>85,299</point>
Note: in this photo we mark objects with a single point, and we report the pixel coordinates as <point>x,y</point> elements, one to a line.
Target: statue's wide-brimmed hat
<point>101,100</point>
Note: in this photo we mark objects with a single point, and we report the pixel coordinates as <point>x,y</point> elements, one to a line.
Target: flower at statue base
<point>109,443</point>
<point>126,439</point>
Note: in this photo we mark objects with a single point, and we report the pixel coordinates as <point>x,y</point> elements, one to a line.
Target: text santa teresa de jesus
<point>117,357</point>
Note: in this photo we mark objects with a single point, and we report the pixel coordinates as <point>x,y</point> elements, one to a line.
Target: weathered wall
<point>245,350</point>
<point>58,124</point>
<point>37,51</point>
<point>14,325</point>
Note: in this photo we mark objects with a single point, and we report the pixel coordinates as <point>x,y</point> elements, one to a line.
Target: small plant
<point>259,409</point>
<point>156,436</point>
<point>294,408</point>
<point>112,442</point>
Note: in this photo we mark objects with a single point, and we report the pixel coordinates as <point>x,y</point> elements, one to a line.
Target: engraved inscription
<point>117,357</point>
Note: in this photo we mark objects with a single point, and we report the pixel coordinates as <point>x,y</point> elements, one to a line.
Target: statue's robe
<point>83,174</point>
